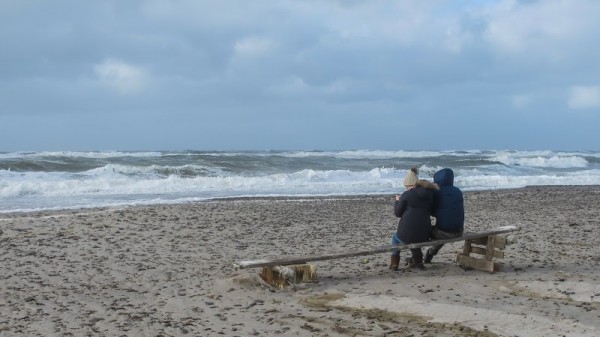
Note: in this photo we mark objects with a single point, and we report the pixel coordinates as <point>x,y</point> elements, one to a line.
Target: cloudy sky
<point>299,75</point>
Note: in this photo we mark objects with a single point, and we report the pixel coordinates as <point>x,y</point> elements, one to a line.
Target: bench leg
<point>487,262</point>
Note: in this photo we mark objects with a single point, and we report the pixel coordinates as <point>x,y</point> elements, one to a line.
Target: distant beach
<point>166,270</point>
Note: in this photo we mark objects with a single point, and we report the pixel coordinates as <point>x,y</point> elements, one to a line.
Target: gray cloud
<point>345,74</point>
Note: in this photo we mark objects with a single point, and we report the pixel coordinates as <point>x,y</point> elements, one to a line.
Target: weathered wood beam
<point>479,264</point>
<point>498,254</point>
<point>370,251</point>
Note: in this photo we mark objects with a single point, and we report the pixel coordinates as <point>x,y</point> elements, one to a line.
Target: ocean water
<point>63,180</point>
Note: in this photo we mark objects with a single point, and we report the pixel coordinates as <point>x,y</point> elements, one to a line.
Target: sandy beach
<point>167,270</point>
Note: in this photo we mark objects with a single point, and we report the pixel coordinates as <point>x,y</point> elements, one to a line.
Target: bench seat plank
<point>362,252</point>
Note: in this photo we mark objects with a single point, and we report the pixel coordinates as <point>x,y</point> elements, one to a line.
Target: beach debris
<point>283,276</point>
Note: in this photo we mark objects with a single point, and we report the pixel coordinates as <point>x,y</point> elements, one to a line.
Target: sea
<point>32,181</point>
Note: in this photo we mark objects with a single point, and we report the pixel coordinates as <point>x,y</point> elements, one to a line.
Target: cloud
<point>584,97</point>
<point>289,87</point>
<point>521,101</point>
<point>126,78</point>
<point>454,62</point>
<point>543,27</point>
<point>253,46</point>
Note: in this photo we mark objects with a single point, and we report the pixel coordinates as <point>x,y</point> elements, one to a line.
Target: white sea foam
<point>75,154</point>
<point>109,179</point>
<point>362,154</point>
<point>562,161</point>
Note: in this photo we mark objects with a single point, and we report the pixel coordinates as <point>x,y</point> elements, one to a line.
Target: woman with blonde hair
<point>414,208</point>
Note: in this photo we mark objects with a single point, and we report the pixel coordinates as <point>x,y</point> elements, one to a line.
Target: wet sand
<point>166,270</point>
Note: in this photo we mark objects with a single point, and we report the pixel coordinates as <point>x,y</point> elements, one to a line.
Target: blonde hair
<point>410,179</point>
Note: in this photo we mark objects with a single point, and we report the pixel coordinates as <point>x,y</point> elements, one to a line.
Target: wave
<point>366,154</point>
<point>153,171</point>
<point>47,180</point>
<point>76,154</point>
<point>556,161</point>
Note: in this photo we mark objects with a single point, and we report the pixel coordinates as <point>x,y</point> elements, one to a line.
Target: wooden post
<point>489,254</point>
<point>467,247</point>
<point>494,246</point>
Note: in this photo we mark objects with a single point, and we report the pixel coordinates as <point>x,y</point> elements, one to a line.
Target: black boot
<point>428,257</point>
<point>417,262</point>
<point>394,262</point>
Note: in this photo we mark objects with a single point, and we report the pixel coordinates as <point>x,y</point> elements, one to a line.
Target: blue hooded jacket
<point>449,204</point>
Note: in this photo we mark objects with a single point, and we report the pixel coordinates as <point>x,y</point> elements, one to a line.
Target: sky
<point>299,75</point>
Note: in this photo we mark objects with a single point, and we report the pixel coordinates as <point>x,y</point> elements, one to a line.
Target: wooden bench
<point>489,244</point>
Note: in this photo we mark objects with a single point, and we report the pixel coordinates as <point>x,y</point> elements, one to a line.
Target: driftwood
<point>468,237</point>
<point>282,276</point>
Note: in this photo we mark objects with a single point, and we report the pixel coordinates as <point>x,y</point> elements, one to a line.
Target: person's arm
<point>400,206</point>
<point>436,203</point>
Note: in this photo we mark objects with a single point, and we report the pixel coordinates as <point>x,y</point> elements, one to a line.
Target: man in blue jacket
<point>449,211</point>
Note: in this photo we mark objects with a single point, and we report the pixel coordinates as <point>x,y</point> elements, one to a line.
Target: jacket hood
<point>427,184</point>
<point>444,177</point>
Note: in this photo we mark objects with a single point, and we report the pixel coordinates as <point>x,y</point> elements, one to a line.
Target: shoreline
<point>166,269</point>
<point>281,198</point>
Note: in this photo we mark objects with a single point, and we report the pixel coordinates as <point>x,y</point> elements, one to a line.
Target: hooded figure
<point>449,211</point>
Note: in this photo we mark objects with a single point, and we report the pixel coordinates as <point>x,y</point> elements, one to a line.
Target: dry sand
<point>167,270</point>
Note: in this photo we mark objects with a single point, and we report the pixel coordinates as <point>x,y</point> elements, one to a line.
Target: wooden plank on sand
<point>480,264</point>
<point>370,251</point>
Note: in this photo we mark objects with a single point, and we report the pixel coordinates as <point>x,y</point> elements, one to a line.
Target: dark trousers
<point>416,253</point>
<point>437,234</point>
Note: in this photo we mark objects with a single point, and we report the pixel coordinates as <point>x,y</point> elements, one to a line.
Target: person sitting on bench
<point>414,208</point>
<point>449,211</point>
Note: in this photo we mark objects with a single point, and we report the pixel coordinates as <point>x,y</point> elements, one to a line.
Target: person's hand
<point>397,197</point>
